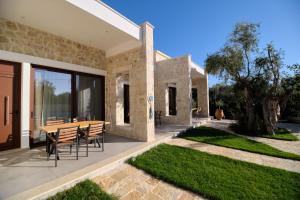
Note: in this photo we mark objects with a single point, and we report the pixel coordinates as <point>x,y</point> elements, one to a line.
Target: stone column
<point>144,108</point>
<point>203,95</point>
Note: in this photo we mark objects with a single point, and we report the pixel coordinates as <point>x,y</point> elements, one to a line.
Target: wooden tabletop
<point>82,124</point>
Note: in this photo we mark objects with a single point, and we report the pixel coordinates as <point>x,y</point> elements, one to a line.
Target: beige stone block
<point>133,195</point>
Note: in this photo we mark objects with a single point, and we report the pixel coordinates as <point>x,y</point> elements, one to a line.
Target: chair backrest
<point>96,129</point>
<point>66,135</point>
<point>54,122</point>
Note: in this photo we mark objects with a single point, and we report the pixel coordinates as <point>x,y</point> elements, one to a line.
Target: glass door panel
<point>52,99</point>
<point>90,101</point>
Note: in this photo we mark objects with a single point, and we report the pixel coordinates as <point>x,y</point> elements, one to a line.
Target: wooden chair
<point>64,137</point>
<point>197,112</point>
<point>95,132</point>
<point>52,121</point>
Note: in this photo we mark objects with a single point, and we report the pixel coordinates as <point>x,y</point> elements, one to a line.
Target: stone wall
<point>19,38</point>
<point>203,94</point>
<point>175,71</point>
<point>137,64</point>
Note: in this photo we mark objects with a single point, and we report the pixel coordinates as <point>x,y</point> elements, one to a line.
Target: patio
<point>27,173</point>
<point>23,170</point>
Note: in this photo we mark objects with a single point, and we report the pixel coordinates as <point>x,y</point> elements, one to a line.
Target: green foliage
<point>292,86</point>
<point>217,177</point>
<point>226,94</point>
<point>86,190</point>
<point>225,139</point>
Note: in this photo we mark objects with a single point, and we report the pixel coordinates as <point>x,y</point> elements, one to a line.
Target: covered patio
<point>28,174</point>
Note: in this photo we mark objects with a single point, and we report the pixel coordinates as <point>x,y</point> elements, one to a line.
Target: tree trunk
<point>250,111</point>
<point>270,113</point>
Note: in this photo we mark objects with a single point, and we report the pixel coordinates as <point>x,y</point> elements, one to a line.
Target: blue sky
<point>200,27</point>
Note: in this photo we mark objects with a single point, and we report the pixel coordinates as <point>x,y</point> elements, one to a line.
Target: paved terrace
<point>26,173</point>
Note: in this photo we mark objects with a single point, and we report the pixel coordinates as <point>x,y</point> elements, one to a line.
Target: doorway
<point>9,105</point>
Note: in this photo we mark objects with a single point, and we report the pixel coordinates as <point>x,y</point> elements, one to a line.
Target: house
<point>82,59</point>
<point>180,85</point>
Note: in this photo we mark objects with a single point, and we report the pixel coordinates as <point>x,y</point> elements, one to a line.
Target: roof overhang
<point>89,22</point>
<point>196,71</point>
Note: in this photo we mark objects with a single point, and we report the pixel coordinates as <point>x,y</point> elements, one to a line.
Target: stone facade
<point>138,65</point>
<point>203,94</point>
<point>23,39</point>
<point>177,72</point>
<point>174,71</point>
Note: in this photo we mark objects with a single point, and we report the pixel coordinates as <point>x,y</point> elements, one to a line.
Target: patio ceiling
<point>88,22</point>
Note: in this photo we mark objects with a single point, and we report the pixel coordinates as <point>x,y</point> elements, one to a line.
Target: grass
<point>217,177</point>
<point>225,139</point>
<point>86,190</point>
<point>280,133</point>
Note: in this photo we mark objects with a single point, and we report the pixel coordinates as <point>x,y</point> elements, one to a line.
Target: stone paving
<point>129,183</point>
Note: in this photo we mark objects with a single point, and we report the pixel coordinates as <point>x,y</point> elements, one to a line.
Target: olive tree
<point>256,76</point>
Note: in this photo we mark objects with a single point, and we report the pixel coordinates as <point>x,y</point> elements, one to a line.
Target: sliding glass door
<point>65,95</point>
<point>90,93</point>
<point>52,99</point>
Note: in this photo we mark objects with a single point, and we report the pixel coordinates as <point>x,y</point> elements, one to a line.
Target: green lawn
<point>280,133</point>
<point>225,139</point>
<point>217,177</point>
<point>86,190</point>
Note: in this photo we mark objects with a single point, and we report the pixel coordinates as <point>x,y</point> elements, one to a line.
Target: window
<point>89,92</point>
<point>172,101</point>
<point>52,99</point>
<point>194,98</point>
<point>126,104</point>
<point>60,94</point>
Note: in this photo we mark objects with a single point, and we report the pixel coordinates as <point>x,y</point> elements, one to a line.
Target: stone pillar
<point>203,95</point>
<point>144,108</point>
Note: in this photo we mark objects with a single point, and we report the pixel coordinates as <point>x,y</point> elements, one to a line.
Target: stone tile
<point>152,196</point>
<point>118,176</point>
<point>122,188</point>
<point>166,191</point>
<point>105,182</point>
<point>152,181</point>
<point>133,195</point>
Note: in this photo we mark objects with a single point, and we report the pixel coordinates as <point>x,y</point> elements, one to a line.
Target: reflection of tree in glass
<point>54,106</point>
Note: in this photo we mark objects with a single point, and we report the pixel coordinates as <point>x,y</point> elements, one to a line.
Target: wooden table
<point>53,129</point>
<point>82,124</point>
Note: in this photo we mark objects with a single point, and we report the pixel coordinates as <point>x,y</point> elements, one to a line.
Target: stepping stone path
<point>129,183</point>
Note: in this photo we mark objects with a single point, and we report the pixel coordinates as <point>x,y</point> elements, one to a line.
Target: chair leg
<point>70,149</point>
<point>56,155</point>
<point>98,142</point>
<point>102,143</point>
<point>94,143</point>
<point>87,147</point>
<point>77,150</point>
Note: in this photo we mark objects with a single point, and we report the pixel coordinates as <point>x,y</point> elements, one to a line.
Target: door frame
<point>73,94</point>
<point>17,104</point>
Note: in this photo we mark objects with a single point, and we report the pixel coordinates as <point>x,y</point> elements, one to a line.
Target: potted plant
<point>219,112</point>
